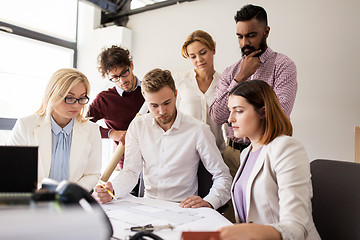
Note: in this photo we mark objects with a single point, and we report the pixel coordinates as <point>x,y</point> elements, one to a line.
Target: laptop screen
<point>18,169</point>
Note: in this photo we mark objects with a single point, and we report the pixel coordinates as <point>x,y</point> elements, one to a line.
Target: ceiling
<point>142,3</point>
<point>118,11</point>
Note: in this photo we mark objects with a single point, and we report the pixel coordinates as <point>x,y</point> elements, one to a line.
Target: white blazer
<point>85,151</point>
<point>279,189</point>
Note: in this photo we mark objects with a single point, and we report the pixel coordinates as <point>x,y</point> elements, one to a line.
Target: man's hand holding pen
<point>102,192</point>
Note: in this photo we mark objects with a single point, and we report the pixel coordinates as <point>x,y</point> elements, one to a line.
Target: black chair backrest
<point>336,199</point>
<point>204,180</point>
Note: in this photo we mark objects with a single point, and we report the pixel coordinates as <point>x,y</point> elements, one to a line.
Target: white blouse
<point>191,101</point>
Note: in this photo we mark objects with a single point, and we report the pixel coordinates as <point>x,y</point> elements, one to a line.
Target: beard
<point>168,119</point>
<point>246,50</point>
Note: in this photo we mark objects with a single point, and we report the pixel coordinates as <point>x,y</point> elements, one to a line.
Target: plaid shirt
<point>276,69</point>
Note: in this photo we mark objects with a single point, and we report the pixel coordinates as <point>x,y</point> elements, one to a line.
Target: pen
<point>107,190</point>
<point>149,228</point>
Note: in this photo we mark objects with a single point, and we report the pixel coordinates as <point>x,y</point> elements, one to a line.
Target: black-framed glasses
<point>116,78</point>
<point>72,100</point>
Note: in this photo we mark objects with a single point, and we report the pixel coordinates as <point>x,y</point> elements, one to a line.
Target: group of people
<point>264,171</point>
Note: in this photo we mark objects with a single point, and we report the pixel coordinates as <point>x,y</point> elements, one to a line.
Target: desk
<point>131,211</point>
<point>48,221</point>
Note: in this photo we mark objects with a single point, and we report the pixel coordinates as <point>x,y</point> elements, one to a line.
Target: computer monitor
<point>18,169</point>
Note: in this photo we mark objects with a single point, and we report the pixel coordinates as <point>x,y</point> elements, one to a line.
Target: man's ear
<point>175,93</point>
<point>267,30</point>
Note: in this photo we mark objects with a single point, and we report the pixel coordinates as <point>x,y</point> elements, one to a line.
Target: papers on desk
<point>131,211</point>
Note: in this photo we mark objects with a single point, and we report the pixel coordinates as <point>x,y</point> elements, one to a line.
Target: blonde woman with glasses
<point>69,144</point>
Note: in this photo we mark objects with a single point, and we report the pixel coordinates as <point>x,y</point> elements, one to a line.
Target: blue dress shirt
<point>60,150</point>
<point>121,91</point>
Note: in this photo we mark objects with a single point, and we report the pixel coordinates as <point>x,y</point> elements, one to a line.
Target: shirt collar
<point>176,123</point>
<point>266,55</point>
<point>57,129</point>
<point>121,91</point>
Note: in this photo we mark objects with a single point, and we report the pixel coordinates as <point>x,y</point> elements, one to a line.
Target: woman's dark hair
<point>264,100</point>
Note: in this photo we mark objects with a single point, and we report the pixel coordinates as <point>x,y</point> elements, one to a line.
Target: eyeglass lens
<point>123,74</point>
<point>72,100</point>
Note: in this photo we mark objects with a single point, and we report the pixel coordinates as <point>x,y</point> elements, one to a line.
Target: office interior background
<point>321,37</point>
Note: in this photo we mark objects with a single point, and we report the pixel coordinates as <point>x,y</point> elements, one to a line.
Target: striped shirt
<point>276,69</point>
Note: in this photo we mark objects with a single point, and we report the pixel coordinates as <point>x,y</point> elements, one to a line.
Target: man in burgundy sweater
<point>117,105</point>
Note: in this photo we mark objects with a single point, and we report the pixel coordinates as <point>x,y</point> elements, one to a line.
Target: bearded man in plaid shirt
<point>258,62</point>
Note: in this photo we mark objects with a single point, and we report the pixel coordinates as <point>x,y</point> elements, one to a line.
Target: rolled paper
<point>119,152</point>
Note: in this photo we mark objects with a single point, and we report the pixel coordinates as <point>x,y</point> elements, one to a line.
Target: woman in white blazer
<point>272,190</point>
<point>69,144</point>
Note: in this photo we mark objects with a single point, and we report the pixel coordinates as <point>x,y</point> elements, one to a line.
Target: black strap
<point>238,145</point>
<point>141,235</point>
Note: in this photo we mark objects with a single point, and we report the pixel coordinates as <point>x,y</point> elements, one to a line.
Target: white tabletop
<point>131,211</point>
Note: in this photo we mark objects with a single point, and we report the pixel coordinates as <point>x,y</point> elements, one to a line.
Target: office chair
<point>336,199</point>
<point>205,183</point>
<point>204,180</point>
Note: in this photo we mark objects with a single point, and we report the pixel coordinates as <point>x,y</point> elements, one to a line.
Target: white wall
<point>322,37</point>
<point>91,41</point>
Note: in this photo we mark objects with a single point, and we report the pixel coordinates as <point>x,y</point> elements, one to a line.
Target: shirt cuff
<point>232,85</point>
<point>215,203</point>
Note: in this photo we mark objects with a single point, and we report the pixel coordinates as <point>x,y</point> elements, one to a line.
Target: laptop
<point>18,174</point>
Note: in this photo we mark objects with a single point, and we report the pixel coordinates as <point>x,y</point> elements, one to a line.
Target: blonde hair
<point>61,82</point>
<point>200,36</point>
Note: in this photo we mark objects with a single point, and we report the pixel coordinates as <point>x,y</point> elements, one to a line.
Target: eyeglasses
<point>72,100</point>
<point>116,78</point>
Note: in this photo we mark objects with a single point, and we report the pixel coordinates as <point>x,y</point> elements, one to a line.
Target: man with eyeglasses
<point>117,106</point>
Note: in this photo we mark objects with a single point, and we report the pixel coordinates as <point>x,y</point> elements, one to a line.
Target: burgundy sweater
<point>117,111</point>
